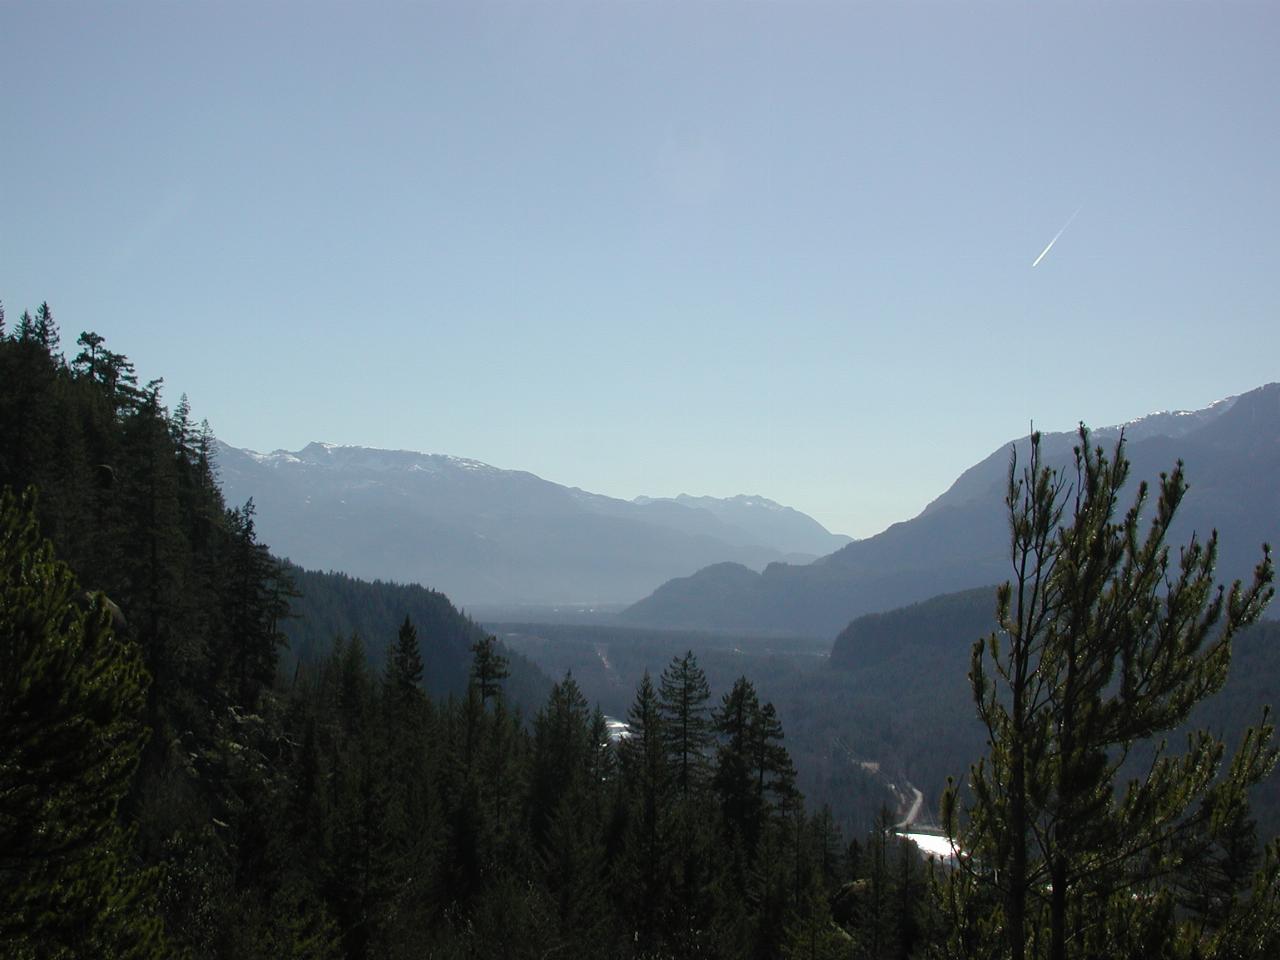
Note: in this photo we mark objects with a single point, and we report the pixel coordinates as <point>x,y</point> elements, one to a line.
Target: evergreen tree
<point>741,803</point>
<point>153,575</point>
<point>256,589</point>
<point>1104,643</point>
<point>645,862</point>
<point>25,331</point>
<point>682,707</point>
<point>86,361</point>
<point>562,752</point>
<point>488,668</point>
<point>71,706</point>
<point>45,330</point>
<point>754,774</point>
<point>570,766</point>
<point>402,681</point>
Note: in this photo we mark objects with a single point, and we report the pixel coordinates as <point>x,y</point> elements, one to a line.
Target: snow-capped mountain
<point>1231,452</point>
<point>483,534</point>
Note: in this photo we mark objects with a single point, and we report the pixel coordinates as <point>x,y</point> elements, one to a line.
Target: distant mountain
<point>785,528</point>
<point>486,535</point>
<point>1232,455</point>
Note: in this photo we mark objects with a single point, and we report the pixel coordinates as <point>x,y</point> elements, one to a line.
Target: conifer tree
<point>402,680</point>
<point>86,361</point>
<point>741,804</point>
<point>71,705</point>
<point>256,591</point>
<point>1105,643</point>
<point>45,330</point>
<point>562,752</point>
<point>488,668</point>
<point>682,707</point>
<point>153,571</point>
<point>683,693</point>
<point>644,868</point>
<point>25,331</point>
<point>754,774</point>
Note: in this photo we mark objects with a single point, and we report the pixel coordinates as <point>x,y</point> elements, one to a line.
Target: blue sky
<point>649,248</point>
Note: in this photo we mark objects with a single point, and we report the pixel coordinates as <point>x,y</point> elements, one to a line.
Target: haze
<point>645,248</point>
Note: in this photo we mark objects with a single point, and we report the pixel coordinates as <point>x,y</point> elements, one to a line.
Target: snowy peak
<point>488,535</point>
<point>1177,426</point>
<point>1173,424</point>
<point>1231,450</point>
<point>349,457</point>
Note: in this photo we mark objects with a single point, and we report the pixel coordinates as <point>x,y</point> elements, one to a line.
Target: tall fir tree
<point>488,668</point>
<point>683,693</point>
<point>644,868</point>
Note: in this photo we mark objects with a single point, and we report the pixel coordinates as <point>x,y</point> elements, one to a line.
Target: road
<point>913,807</point>
<point>913,812</point>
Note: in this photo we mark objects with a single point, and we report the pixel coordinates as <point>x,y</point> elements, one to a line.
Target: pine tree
<point>402,680</point>
<point>645,864</point>
<point>562,752</point>
<point>256,591</point>
<point>754,775</point>
<point>86,361</point>
<point>741,803</point>
<point>45,330</point>
<point>1104,644</point>
<point>71,704</point>
<point>488,668</point>
<point>682,707</point>
<point>153,572</point>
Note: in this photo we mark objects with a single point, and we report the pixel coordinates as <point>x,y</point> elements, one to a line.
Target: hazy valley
<point>492,537</point>
<point>354,751</point>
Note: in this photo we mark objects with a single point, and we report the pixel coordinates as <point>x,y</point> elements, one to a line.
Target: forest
<point>206,752</point>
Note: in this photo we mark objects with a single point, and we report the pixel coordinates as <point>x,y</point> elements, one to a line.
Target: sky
<point>780,248</point>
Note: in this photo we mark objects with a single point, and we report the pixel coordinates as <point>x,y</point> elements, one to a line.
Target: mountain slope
<point>1232,456</point>
<point>768,522</point>
<point>479,533</point>
<point>334,605</point>
<point>903,682</point>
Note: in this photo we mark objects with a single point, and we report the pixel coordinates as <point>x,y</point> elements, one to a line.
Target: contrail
<point>1037,260</point>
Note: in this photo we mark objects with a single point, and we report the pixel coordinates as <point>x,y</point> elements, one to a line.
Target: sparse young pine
<point>1080,827</point>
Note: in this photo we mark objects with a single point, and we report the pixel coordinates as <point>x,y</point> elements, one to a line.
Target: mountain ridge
<point>959,541</point>
<point>490,535</point>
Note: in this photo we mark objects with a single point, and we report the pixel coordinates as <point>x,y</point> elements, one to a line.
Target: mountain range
<point>1231,452</point>
<point>485,535</point>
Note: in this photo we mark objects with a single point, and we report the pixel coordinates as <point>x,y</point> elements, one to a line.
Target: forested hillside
<point>328,605</point>
<point>495,536</point>
<point>223,795</point>
<point>1232,455</point>
<point>905,670</point>
<point>176,781</point>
